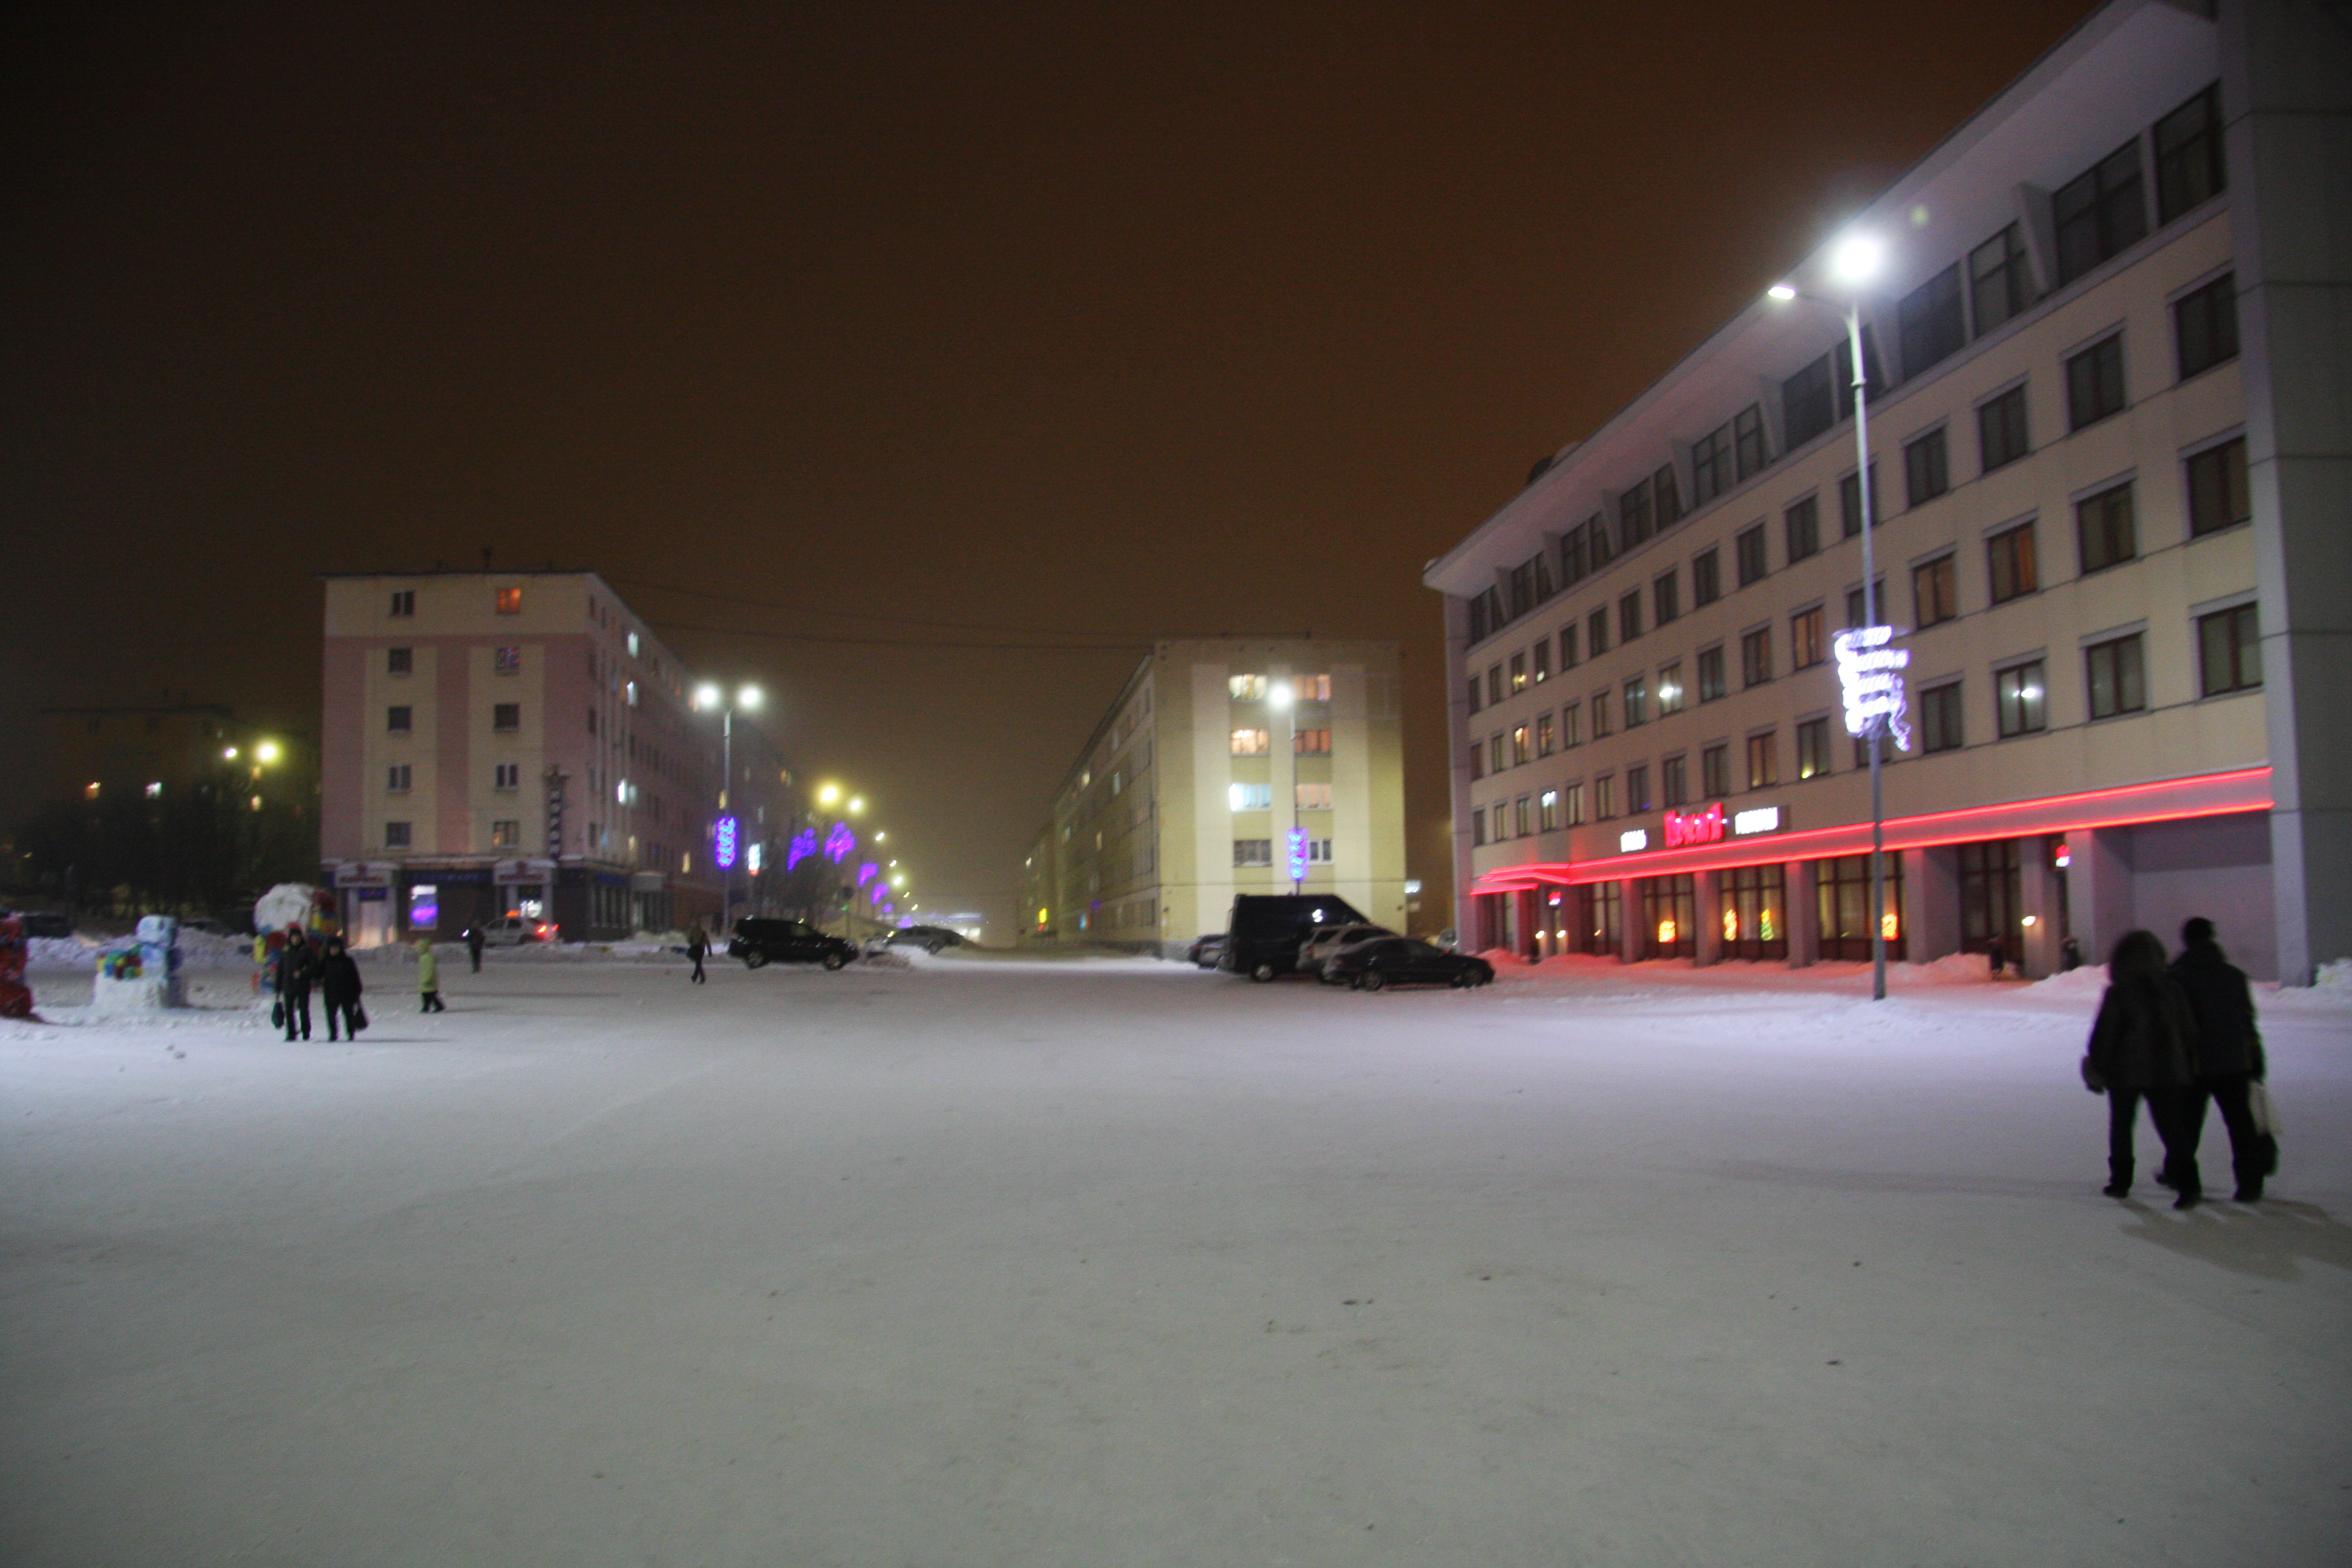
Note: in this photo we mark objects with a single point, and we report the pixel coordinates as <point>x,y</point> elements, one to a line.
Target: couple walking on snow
<point>2176,1036</point>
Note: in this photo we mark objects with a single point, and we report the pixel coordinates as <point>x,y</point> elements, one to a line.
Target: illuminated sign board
<point>1632,838</point>
<point>1297,851</point>
<point>1870,680</point>
<point>752,857</point>
<point>1761,819</point>
<point>1695,826</point>
<point>722,849</point>
<point>424,906</point>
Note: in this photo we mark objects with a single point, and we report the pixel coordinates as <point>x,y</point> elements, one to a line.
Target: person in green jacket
<point>428,977</point>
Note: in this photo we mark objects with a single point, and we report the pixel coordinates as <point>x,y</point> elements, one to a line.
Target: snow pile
<point>198,950</point>
<point>2334,975</point>
<point>2090,981</point>
<point>1952,969</point>
<point>887,958</point>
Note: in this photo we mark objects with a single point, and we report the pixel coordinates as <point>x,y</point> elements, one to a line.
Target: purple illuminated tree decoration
<point>880,890</point>
<point>840,843</point>
<point>866,873</point>
<point>804,845</point>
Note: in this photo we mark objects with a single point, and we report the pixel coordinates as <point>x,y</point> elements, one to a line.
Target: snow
<point>983,1260</point>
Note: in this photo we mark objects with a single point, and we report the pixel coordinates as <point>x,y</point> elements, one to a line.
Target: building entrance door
<point>1992,897</point>
<point>1669,917</point>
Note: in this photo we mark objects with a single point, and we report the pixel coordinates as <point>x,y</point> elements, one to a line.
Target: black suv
<point>1267,929</point>
<point>759,942</point>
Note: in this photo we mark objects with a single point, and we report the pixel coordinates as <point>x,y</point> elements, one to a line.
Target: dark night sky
<point>1089,323</point>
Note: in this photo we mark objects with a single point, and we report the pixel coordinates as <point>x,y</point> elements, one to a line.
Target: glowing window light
<point>1730,925</point>
<point>1667,933</point>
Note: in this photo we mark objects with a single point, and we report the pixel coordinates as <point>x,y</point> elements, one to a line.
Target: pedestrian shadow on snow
<point>2266,1240</point>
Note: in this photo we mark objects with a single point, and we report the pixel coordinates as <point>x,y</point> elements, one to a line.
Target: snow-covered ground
<point>1112,1262</point>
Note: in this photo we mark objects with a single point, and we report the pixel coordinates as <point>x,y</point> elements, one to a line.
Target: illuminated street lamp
<point>707,696</point>
<point>1854,261</point>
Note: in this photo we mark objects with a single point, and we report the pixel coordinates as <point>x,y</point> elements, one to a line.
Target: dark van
<point>1266,930</point>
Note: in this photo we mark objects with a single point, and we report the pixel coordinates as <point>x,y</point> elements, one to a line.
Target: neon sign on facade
<point>1870,679</point>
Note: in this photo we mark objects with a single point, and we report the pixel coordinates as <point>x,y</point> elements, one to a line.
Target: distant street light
<point>708,696</point>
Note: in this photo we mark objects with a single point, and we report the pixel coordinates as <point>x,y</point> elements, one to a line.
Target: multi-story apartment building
<point>2112,480</point>
<point>517,742</point>
<point>1191,788</point>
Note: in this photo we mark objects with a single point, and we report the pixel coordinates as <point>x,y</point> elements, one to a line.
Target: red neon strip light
<point>2171,800</point>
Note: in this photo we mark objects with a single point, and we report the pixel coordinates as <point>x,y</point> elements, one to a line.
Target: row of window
<point>505,601</point>
<point>1259,743</point>
<point>1256,687</point>
<point>403,660</point>
<point>399,777</point>
<point>505,834</point>
<point>1260,852</point>
<point>2095,217</point>
<point>2229,656</point>
<point>1260,796</point>
<point>400,719</point>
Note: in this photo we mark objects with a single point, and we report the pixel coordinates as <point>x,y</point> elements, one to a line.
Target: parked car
<point>513,930</point>
<point>1328,939</point>
<point>44,922</point>
<point>1266,930</point>
<point>931,939</point>
<point>1404,960</point>
<point>759,940</point>
<point>1205,948</point>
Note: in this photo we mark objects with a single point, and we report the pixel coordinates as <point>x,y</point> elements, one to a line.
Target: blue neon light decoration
<point>722,849</point>
<point>840,844</point>
<point>803,845</point>
<point>1297,853</point>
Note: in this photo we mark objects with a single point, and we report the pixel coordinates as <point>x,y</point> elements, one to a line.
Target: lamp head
<point>1854,261</point>
<point>749,699</point>
<point>706,696</point>
<point>1280,695</point>
<point>1783,292</point>
<point>267,752</point>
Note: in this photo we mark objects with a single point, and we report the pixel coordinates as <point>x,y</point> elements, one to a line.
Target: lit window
<point>505,834</point>
<point>2020,699</point>
<point>1246,688</point>
<point>1251,744</point>
<point>509,601</point>
<point>2230,650</point>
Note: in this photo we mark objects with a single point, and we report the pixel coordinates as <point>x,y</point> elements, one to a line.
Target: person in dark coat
<point>298,966</point>
<point>474,940</point>
<point>339,982</point>
<point>2229,1058</point>
<point>697,945</point>
<point>2143,1046</point>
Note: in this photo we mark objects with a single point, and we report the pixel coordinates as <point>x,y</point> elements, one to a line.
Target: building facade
<point>1218,756</point>
<point>2111,492</point>
<point>518,742</point>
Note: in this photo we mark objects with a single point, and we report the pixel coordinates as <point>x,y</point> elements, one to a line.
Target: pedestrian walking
<point>697,945</point>
<point>2142,1047</point>
<point>298,966</point>
<point>428,977</point>
<point>473,946</point>
<point>338,985</point>
<point>2228,1060</point>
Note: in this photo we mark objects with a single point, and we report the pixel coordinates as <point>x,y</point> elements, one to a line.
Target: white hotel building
<point>2110,416</point>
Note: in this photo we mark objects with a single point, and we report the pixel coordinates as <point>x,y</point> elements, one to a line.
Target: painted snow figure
<point>2228,1060</point>
<point>428,977</point>
<point>697,945</point>
<point>298,966</point>
<point>473,946</point>
<point>2143,1046</point>
<point>339,983</point>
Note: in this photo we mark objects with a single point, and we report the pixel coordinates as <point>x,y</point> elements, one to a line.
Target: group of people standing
<point>300,964</point>
<point>2176,1035</point>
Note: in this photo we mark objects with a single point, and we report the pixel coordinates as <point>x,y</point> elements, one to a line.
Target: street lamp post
<point>705,697</point>
<point>1852,263</point>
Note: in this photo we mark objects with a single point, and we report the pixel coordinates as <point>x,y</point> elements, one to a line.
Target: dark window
<point>1542,564</point>
<point>1666,497</point>
<point>1992,901</point>
<point>1670,688</point>
<point>1637,702</point>
<point>2190,166</point>
<point>1711,471</point>
<point>1542,654</point>
<point>1807,404</point>
<point>506,716</point>
<point>1637,789</point>
<point>2011,563</point>
<point>1706,578</point>
<point>1940,718</point>
<point>1935,592</point>
<point>404,602</point>
<point>1850,502</point>
<point>1604,798</point>
<point>1474,694</point>
<point>1478,759</point>
<point>1666,599</point>
<point>1842,891</point>
<point>1674,781</point>
<point>1479,629</point>
<point>2113,669</point>
<point>1763,761</point>
<point>1749,548</point>
<point>1998,284</point>
<point>2229,650</point>
<point>1842,372</point>
<point>2105,529</point>
<point>399,661</point>
<point>2000,429</point>
<point>1567,646</point>
<point>1932,327</point>
<point>2095,383</point>
<point>1602,728</point>
<point>1807,644</point>
<point>1478,826</point>
<point>2217,487</point>
<point>1634,521</point>
<point>1813,748</point>
<point>1522,580</point>
<point>2099,212</point>
<point>1628,616</point>
<point>397,721</point>
<point>1596,533</point>
<point>1926,467</point>
<point>1710,674</point>
<point>2205,326</point>
<point>396,835</point>
<point>1573,563</point>
<point>1756,657</point>
<point>1596,634</point>
<point>2019,699</point>
<point>1747,438</point>
<point>1802,525</point>
<point>1715,771</point>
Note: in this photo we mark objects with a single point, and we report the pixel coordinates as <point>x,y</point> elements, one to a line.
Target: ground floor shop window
<point>1598,928</point>
<point>1992,897</point>
<point>1669,917</point>
<point>1843,889</point>
<point>1753,909</point>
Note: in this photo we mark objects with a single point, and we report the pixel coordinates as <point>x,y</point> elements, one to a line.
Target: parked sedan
<point>513,930</point>
<point>759,940</point>
<point>1404,960</point>
<point>1205,950</point>
<point>931,939</point>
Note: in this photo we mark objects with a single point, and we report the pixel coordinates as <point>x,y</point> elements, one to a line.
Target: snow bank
<point>198,950</point>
